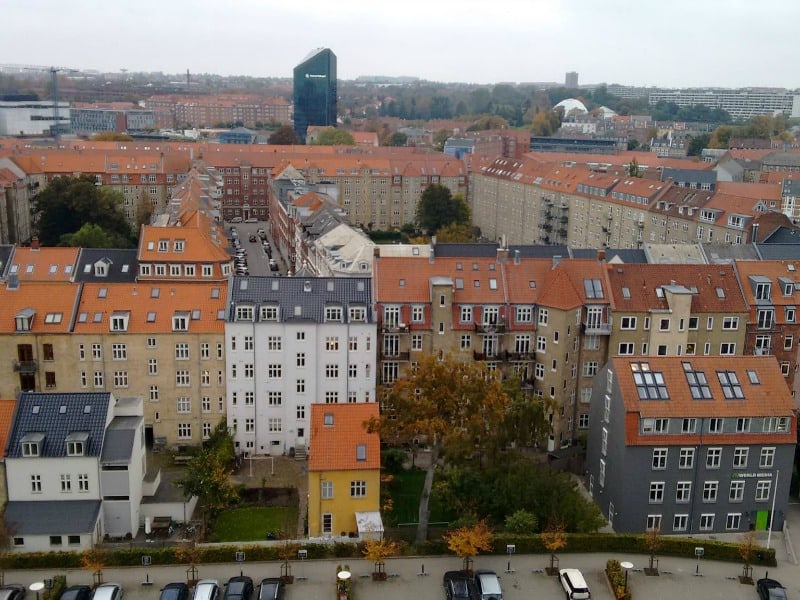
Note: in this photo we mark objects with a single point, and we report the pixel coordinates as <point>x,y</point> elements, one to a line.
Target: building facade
<point>292,343</point>
<point>691,445</point>
<point>315,99</point>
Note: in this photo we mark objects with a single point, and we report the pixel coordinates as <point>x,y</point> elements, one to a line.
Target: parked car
<point>236,220</point>
<point>574,584</point>
<point>238,588</point>
<point>488,585</point>
<point>76,592</point>
<point>12,591</point>
<point>251,220</point>
<point>458,586</point>
<point>206,589</point>
<point>272,588</point>
<point>175,591</point>
<point>273,264</point>
<point>770,589</point>
<point>107,591</point>
<point>252,238</point>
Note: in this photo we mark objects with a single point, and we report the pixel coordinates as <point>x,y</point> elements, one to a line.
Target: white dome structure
<point>571,106</point>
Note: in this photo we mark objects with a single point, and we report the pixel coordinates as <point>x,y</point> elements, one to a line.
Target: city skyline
<point>533,40</point>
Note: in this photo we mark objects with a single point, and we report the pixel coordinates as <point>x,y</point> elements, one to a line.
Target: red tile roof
<point>44,263</point>
<point>333,447</point>
<point>57,299</point>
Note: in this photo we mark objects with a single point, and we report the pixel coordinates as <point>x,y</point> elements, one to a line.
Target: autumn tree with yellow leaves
<point>554,539</point>
<point>468,541</point>
<point>456,406</point>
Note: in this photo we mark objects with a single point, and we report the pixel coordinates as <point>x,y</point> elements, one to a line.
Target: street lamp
<point>627,566</point>
<point>37,587</point>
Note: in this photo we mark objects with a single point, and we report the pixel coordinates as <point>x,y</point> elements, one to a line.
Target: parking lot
<point>315,579</point>
<point>250,244</point>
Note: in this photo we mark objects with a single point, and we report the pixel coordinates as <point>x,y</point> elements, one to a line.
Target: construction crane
<point>54,71</point>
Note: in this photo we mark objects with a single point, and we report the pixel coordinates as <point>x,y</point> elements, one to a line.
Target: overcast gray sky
<point>675,43</point>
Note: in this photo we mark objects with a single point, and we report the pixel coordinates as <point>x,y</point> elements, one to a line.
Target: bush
<point>393,460</point>
<point>521,521</point>
<point>59,585</point>
<point>616,577</point>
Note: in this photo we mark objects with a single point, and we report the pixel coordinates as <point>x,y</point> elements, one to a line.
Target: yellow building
<point>343,471</point>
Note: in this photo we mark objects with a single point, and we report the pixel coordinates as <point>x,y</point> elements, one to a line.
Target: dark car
<point>252,238</point>
<point>77,592</point>
<point>458,586</point>
<point>770,589</point>
<point>238,588</point>
<point>175,591</point>
<point>12,591</point>
<point>272,588</point>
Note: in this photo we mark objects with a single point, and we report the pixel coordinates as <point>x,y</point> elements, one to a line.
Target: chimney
<point>502,254</point>
<point>516,257</point>
<point>556,260</point>
<point>430,256</point>
<point>755,234</point>
<point>34,243</point>
<point>601,255</point>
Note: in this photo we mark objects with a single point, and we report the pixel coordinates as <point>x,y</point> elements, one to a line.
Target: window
<point>331,397</point>
<point>358,489</point>
<point>98,379</point>
<point>331,371</point>
<point>97,352</point>
<point>713,458</point>
<point>683,492</point>
<point>659,458</point>
<point>686,458</point>
<point>249,371</point>
<point>83,482</point>
<point>249,425</point>
<point>740,457</point>
<point>327,490</point>
<point>327,523</point>
<point>180,322</point>
<point>66,483</point>
<point>184,431</point>
<point>184,404</point>
<point>152,366</point>
<point>153,393</point>
<point>730,323</point>
<point>300,386</point>
<point>715,425</point>
<point>663,324</point>
<point>416,341</point>
<point>710,489</point>
<point>274,371</point>
<point>729,382</point>
<point>654,522</point>
<point>706,522</point>
<point>36,484</point>
<point>727,348</point>
<point>120,379</point>
<point>736,492</point>
<point>541,344</point>
<point>118,351</point>
<point>680,523</point>
<point>656,492</point>
<point>655,425</point>
<point>590,368</point>
<point>465,314</point>
<point>733,521</point>
<point>689,425</point>
<point>767,458</point>
<point>543,316</point>
<point>274,425</point>
<point>627,323</point>
<point>182,378</point>
<point>333,313</point>
<point>300,412</point>
<point>626,348</point>
<point>182,351</point>
<point>763,489</point>
<point>743,424</point>
<point>765,318</point>
<point>524,314</point>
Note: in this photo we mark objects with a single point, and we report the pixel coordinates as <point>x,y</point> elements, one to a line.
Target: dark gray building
<point>691,445</point>
<point>315,91</point>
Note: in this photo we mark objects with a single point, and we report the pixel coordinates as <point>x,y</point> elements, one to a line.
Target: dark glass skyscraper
<point>315,91</point>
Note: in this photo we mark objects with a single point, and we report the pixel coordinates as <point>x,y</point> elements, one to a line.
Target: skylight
<point>650,385</point>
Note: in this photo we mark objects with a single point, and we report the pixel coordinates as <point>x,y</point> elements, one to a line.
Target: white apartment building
<point>293,342</point>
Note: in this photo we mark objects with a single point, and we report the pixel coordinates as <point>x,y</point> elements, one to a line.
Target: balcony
<point>485,355</point>
<point>490,327</point>
<point>640,224</point>
<point>26,367</point>
<point>399,356</point>
<point>546,226</point>
<point>519,356</point>
<point>596,328</point>
<point>394,328</point>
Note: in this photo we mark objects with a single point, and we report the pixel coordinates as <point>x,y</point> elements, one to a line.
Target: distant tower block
<point>571,80</point>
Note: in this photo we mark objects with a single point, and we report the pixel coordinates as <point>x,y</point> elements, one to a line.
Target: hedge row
<point>525,544</point>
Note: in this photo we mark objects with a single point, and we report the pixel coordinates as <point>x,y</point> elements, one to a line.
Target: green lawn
<point>405,491</point>
<point>248,524</point>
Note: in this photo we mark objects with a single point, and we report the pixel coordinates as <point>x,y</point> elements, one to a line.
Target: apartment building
<point>75,463</point>
<point>16,191</point>
<point>251,111</point>
<point>691,445</point>
<point>291,343</point>
<point>740,104</point>
<point>592,205</point>
<point>121,117</point>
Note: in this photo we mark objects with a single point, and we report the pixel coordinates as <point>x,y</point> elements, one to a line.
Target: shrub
<point>521,521</point>
<point>616,577</point>
<point>59,585</point>
<point>393,460</point>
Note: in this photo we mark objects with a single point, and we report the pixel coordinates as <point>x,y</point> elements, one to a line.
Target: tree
<point>397,139</point>
<point>554,539</point>
<point>633,168</point>
<point>88,236</point>
<point>377,551</point>
<point>68,203</point>
<point>437,207</point>
<point>697,143</point>
<point>285,136</point>
<point>653,542</point>
<point>456,233</point>
<point>440,137</point>
<point>522,522</point>
<point>111,136</point>
<point>331,136</point>
<point>746,549</point>
<point>455,405</point>
<point>467,541</point>
<point>720,137</point>
<point>208,473</point>
<point>94,560</point>
<point>546,123</point>
<point>526,422</point>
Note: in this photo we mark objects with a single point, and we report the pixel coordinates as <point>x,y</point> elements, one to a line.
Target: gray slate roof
<point>57,416</point>
<point>779,251</point>
<point>116,260</point>
<point>120,435</point>
<point>689,175</point>
<point>52,517</point>
<point>311,294</point>
<point>5,260</point>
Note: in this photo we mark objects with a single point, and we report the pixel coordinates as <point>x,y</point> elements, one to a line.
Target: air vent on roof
<point>36,409</point>
<point>306,286</point>
<point>243,284</point>
<point>87,409</point>
<point>790,267</point>
<point>62,409</point>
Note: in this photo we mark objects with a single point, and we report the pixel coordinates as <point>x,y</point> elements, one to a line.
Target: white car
<point>488,585</point>
<point>107,591</point>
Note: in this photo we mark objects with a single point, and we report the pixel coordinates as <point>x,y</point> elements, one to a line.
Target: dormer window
<point>269,313</point>
<point>76,443</point>
<point>180,245</point>
<point>163,245</point>
<point>244,313</point>
<point>101,268</point>
<point>358,313</point>
<point>119,321</point>
<point>180,321</point>
<point>32,444</point>
<point>24,319</point>
<point>333,314</point>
